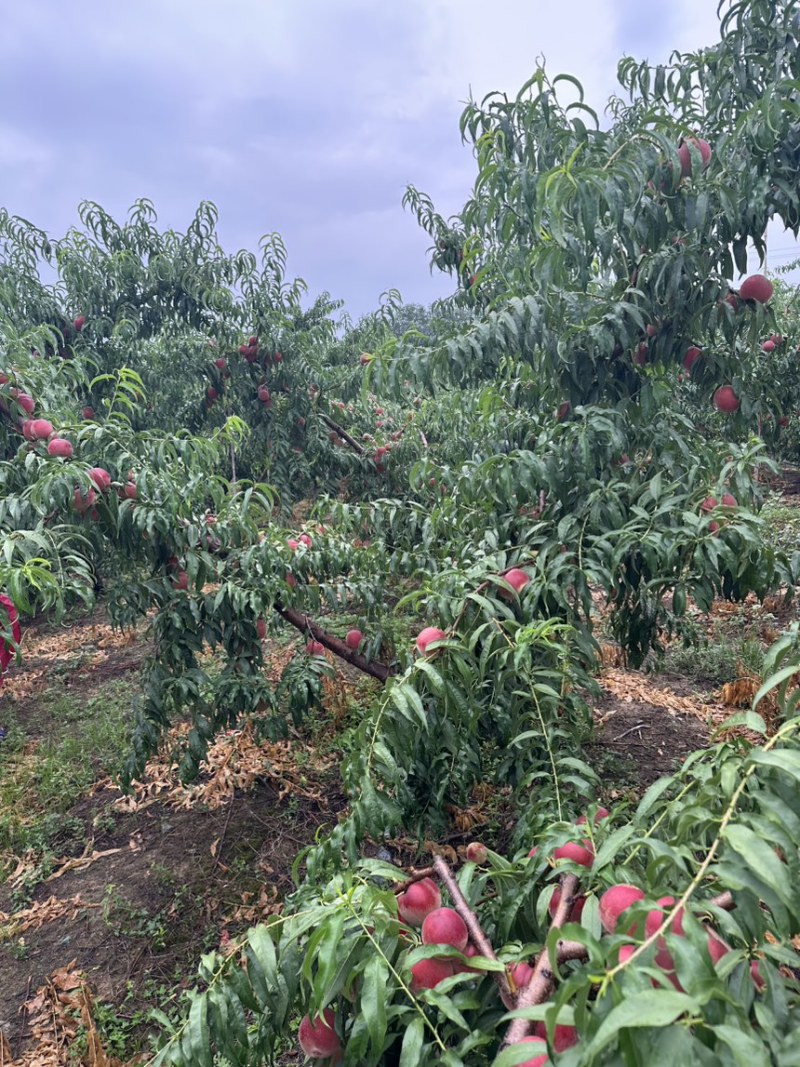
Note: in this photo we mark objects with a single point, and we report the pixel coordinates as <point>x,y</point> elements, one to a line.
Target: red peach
<point>757,288</point>
<point>427,974</point>
<point>575,912</point>
<point>445,927</point>
<point>100,477</point>
<point>315,648</point>
<point>60,447</point>
<point>564,1037</point>
<point>181,580</point>
<point>602,813</point>
<point>520,974</point>
<point>582,854</point>
<point>664,960</point>
<point>416,902</point>
<point>614,902</point>
<point>685,155</point>
<point>427,637</point>
<point>692,355</point>
<point>353,639</point>
<point>717,948</point>
<point>476,852</point>
<point>470,952</point>
<point>517,579</point>
<point>83,500</point>
<point>261,629</point>
<point>641,354</point>
<point>626,952</point>
<point>656,917</point>
<point>726,400</point>
<point>536,1060</point>
<point>37,429</point>
<point>318,1039</point>
<point>732,299</point>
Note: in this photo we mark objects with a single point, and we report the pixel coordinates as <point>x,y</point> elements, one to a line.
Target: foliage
<point>727,820</point>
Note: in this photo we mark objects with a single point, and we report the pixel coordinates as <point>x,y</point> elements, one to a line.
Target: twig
<point>542,978</point>
<point>24,1008</point>
<point>478,937</point>
<point>335,644</point>
<point>633,729</point>
<point>415,876</point>
<point>217,860</point>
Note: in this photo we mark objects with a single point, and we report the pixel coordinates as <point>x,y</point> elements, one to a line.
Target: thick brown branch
<point>477,936</point>
<point>345,436</point>
<point>542,980</point>
<point>335,644</point>
<point>571,950</point>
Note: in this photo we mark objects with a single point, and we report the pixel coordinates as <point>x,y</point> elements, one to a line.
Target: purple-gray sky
<point>308,117</point>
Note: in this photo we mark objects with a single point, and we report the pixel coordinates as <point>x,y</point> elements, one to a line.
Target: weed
<point>40,778</point>
<point>781,524</point>
<point>123,919</point>
<point>18,949</point>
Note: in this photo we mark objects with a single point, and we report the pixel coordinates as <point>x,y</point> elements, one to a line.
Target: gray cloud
<point>304,116</point>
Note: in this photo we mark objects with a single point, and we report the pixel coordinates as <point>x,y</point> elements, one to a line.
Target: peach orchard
<point>586,422</point>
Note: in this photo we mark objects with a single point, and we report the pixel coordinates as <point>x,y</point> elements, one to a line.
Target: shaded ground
<point>637,742</point>
<point>132,890</point>
<point>172,885</point>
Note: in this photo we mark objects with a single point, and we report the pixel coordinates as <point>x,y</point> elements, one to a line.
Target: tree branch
<point>415,875</point>
<point>334,644</point>
<point>478,937</point>
<point>342,432</point>
<point>542,979</point>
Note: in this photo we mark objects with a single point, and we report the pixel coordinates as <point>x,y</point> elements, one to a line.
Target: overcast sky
<point>308,117</point>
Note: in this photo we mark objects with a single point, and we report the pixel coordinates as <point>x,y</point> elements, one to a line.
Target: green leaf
<point>372,1001</point>
<point>759,856</point>
<point>747,1050</point>
<point>413,1040</point>
<point>652,1008</point>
